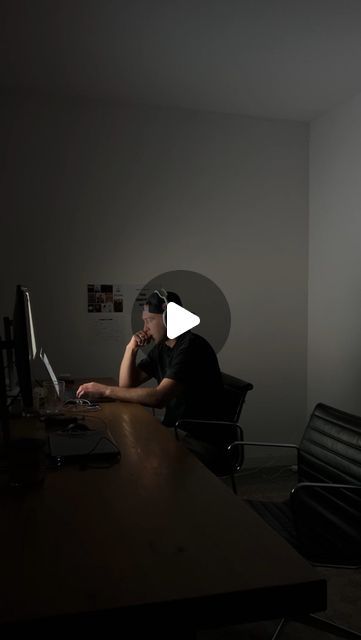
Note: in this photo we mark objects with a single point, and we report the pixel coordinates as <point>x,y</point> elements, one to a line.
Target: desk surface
<point>155,535</point>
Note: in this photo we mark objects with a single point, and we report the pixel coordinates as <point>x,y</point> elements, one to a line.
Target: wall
<point>104,193</point>
<point>334,343</point>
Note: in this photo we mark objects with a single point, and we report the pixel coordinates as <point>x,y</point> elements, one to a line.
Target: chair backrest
<point>235,391</point>
<point>330,452</point>
<point>330,449</point>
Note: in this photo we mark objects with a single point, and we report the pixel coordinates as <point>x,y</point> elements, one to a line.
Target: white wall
<point>334,362</point>
<point>99,193</point>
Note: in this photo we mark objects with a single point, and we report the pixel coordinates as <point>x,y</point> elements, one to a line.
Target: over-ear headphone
<point>164,296</point>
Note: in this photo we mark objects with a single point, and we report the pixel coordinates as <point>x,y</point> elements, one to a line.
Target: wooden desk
<point>156,538</point>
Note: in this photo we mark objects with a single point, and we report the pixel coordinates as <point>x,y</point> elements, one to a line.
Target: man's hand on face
<point>139,339</point>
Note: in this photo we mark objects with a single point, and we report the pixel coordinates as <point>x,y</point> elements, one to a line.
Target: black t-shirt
<point>192,363</point>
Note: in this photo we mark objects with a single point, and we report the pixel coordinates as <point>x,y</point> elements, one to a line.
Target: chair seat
<point>309,538</point>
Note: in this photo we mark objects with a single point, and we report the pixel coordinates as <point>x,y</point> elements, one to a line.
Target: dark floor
<point>344,585</point>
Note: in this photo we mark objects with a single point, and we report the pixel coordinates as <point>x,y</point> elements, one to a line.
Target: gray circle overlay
<point>200,295</point>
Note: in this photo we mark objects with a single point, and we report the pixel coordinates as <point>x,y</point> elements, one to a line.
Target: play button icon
<point>179,320</point>
<point>210,305</point>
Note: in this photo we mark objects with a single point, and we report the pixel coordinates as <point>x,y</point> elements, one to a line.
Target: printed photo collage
<point>105,298</point>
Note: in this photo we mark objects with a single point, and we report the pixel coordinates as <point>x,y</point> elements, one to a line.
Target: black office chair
<point>322,517</point>
<point>235,391</point>
<point>221,433</point>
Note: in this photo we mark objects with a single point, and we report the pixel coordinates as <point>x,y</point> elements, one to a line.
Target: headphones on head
<point>164,296</point>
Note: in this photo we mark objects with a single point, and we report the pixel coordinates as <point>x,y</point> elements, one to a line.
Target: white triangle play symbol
<point>179,320</point>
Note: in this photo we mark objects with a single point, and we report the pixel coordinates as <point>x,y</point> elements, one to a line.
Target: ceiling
<point>292,59</point>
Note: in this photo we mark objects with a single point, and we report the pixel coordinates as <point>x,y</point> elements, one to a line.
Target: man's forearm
<point>143,395</point>
<point>127,371</point>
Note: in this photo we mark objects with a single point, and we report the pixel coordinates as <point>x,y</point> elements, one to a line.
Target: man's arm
<point>158,397</point>
<point>129,374</point>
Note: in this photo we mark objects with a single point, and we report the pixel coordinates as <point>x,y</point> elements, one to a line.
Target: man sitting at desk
<point>189,382</point>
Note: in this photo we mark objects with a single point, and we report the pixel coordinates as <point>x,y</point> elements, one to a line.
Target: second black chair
<point>322,517</point>
<point>221,433</point>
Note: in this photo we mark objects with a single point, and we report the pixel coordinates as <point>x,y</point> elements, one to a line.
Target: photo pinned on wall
<point>105,298</point>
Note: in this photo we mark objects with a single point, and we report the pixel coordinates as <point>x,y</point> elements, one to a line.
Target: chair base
<point>318,623</point>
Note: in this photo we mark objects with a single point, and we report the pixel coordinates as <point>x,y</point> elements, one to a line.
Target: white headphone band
<point>164,297</point>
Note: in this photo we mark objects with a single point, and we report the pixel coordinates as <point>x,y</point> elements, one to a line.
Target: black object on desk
<point>71,445</point>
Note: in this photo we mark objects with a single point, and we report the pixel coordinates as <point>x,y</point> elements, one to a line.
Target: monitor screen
<point>24,343</point>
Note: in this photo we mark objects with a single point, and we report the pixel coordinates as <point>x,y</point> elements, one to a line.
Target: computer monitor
<point>24,344</point>
<point>4,418</point>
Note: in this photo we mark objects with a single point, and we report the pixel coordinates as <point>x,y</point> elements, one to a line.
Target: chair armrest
<point>198,421</point>
<point>327,521</point>
<point>241,443</point>
<point>322,485</point>
<point>302,490</point>
<point>209,430</point>
<point>282,445</point>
